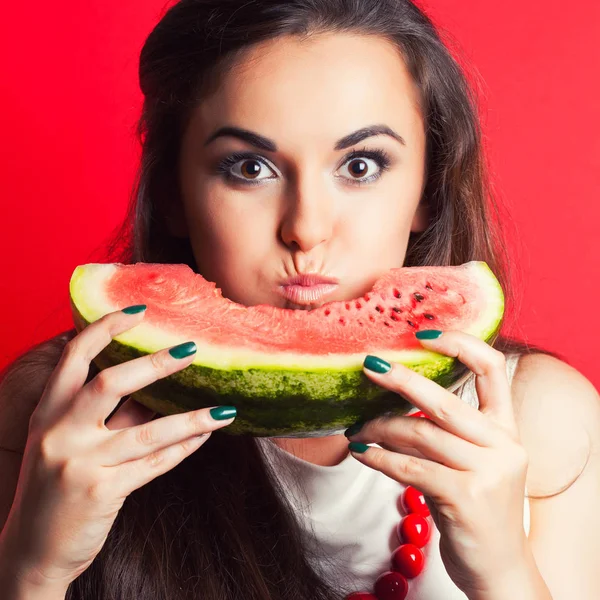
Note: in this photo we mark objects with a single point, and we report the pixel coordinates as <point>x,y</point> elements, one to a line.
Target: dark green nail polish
<point>373,363</point>
<point>220,413</point>
<point>136,308</point>
<point>358,447</point>
<point>183,350</point>
<point>428,334</point>
<point>354,429</point>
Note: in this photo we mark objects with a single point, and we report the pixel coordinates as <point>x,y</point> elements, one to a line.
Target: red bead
<point>419,413</point>
<point>361,596</point>
<point>408,560</point>
<point>413,501</point>
<point>414,529</point>
<point>391,586</point>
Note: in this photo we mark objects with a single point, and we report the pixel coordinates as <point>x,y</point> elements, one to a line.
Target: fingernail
<point>220,413</point>
<point>428,334</point>
<point>136,308</point>
<point>358,447</point>
<point>183,350</point>
<point>354,429</point>
<point>373,363</point>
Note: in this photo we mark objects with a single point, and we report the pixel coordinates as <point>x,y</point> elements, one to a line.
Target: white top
<point>349,513</point>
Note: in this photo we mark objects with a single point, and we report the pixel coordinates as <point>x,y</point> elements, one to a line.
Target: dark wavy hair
<point>217,526</point>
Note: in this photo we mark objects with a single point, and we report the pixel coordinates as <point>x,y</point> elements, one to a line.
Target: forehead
<point>315,89</point>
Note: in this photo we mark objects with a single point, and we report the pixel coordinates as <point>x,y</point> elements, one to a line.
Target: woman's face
<point>296,202</point>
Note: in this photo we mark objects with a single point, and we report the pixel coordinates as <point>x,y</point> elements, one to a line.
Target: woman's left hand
<point>468,462</point>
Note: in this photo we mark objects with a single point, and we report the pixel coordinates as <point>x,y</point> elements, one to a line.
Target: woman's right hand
<point>77,470</point>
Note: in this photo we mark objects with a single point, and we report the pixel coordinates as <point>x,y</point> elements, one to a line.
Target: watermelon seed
<point>394,317</point>
<point>396,309</point>
<point>358,304</point>
<point>418,297</point>
<point>347,305</point>
<point>411,323</point>
<point>379,308</point>
<point>428,316</point>
<point>396,293</point>
<point>386,324</point>
<point>428,287</point>
<point>327,312</point>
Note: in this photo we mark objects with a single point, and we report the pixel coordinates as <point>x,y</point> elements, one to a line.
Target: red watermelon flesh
<point>402,302</point>
<point>289,372</point>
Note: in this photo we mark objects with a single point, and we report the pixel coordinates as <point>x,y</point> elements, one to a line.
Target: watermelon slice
<point>289,372</point>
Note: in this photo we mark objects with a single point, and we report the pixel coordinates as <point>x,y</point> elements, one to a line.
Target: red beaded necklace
<point>408,560</point>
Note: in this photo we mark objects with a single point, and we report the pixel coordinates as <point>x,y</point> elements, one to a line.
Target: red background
<point>70,99</point>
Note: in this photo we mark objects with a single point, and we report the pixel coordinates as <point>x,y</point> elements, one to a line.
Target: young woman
<point>282,138</point>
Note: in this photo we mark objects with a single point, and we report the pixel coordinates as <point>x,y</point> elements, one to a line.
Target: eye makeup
<point>379,156</point>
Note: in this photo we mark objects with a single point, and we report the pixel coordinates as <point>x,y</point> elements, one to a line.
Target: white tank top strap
<point>465,387</point>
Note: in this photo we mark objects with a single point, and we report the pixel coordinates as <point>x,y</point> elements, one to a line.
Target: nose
<point>308,217</point>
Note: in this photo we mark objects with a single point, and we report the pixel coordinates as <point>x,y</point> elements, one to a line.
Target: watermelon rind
<point>278,394</point>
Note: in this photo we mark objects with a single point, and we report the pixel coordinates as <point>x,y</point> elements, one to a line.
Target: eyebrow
<point>269,145</point>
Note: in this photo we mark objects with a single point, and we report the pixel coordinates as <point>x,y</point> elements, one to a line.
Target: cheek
<point>217,218</point>
<point>227,231</point>
<point>379,229</point>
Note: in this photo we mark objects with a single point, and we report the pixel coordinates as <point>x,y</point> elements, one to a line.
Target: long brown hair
<point>217,527</point>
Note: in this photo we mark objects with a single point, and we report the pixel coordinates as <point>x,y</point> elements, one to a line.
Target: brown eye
<point>245,169</point>
<point>363,169</point>
<point>250,168</point>
<point>358,167</point>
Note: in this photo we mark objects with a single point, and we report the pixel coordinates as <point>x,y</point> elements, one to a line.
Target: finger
<point>137,442</point>
<point>73,367</point>
<point>423,435</point>
<point>136,473</point>
<point>400,448</point>
<point>97,399</point>
<point>403,449</point>
<point>432,479</point>
<point>129,414</point>
<point>489,367</point>
<point>441,406</point>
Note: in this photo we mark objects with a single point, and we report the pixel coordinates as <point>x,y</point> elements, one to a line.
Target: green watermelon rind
<point>276,400</point>
<point>350,396</point>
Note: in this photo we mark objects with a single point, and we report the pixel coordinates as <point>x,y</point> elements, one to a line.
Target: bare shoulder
<point>558,414</point>
<point>21,388</point>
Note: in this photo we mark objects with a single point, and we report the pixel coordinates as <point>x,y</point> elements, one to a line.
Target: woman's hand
<point>469,463</point>
<point>78,470</point>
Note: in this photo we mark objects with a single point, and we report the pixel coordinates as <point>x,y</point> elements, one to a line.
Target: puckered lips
<point>307,288</point>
